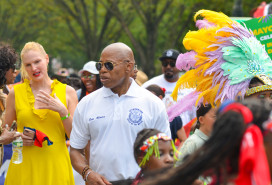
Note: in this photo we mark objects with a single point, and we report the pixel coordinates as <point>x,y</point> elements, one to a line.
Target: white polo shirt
<point>112,123</point>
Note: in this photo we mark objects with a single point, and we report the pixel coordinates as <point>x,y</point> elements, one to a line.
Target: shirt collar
<point>132,90</point>
<point>200,134</point>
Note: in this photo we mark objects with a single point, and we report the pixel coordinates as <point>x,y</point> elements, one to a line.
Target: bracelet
<point>65,117</point>
<point>85,179</point>
<point>85,169</point>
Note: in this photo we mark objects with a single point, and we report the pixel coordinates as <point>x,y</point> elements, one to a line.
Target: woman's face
<point>89,81</point>
<point>10,76</point>
<point>207,121</point>
<point>35,64</point>
<point>166,157</point>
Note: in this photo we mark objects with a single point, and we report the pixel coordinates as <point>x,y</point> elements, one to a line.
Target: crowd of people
<point>205,120</point>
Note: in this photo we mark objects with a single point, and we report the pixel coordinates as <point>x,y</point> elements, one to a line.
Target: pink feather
<point>204,24</point>
<point>187,103</point>
<point>186,61</point>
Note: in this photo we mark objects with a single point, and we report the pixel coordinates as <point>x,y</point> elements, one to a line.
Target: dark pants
<point>123,182</point>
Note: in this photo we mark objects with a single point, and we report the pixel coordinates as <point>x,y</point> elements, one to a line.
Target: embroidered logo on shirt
<point>135,116</point>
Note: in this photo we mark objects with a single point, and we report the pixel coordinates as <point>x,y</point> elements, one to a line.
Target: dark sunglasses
<point>165,63</point>
<point>108,65</point>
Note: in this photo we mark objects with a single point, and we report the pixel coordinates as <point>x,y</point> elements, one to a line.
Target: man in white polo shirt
<point>111,117</point>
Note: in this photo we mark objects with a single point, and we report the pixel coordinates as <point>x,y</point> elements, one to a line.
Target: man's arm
<point>80,163</point>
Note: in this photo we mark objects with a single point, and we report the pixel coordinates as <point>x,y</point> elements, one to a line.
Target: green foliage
<point>76,31</point>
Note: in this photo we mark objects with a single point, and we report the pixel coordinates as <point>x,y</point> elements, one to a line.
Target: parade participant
<point>47,106</point>
<point>168,81</point>
<point>90,80</point>
<point>153,150</point>
<point>176,127</point>
<point>225,57</point>
<point>111,117</point>
<point>234,153</point>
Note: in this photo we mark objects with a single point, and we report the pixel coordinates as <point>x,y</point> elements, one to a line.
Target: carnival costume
<point>225,56</point>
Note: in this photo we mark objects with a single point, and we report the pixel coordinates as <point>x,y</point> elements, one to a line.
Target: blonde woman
<point>45,105</point>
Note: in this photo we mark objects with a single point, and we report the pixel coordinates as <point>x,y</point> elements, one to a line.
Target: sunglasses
<point>92,76</point>
<point>165,63</point>
<point>108,65</point>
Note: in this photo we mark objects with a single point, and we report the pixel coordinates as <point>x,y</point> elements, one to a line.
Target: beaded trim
<point>266,80</point>
<point>258,89</point>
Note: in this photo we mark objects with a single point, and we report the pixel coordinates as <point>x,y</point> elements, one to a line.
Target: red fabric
<point>40,137</point>
<point>253,165</point>
<point>260,10</point>
<point>188,126</point>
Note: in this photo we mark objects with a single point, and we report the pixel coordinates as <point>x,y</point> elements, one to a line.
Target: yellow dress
<point>48,165</point>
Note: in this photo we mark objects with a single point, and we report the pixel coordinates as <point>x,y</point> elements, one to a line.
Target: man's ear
<point>129,67</point>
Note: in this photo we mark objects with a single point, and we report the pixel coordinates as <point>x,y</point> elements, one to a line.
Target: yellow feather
<point>185,81</point>
<point>217,18</point>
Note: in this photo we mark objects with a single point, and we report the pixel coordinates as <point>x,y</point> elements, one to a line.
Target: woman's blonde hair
<point>30,46</point>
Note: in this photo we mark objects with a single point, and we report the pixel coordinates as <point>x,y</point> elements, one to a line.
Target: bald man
<point>111,117</point>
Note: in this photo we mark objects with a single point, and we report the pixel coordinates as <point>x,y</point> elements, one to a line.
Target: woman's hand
<point>28,138</point>
<point>51,103</point>
<point>7,136</point>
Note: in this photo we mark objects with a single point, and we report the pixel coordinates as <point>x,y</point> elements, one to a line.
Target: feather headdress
<point>224,56</point>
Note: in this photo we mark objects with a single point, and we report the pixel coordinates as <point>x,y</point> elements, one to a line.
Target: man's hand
<point>96,179</point>
<point>7,136</point>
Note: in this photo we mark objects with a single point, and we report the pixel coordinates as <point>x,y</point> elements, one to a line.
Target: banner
<point>262,29</point>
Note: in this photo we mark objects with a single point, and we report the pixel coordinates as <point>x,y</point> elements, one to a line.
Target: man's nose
<point>103,69</point>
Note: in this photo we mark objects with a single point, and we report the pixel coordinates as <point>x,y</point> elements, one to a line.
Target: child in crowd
<point>176,125</point>
<point>153,150</point>
<point>206,116</point>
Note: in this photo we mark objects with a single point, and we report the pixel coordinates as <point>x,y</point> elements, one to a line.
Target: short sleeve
<point>80,132</point>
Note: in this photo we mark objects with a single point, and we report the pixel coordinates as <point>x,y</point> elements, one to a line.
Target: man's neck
<point>123,88</point>
<point>171,80</point>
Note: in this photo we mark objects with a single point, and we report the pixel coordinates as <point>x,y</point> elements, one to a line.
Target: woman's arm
<point>10,112</point>
<point>10,115</point>
<point>71,99</point>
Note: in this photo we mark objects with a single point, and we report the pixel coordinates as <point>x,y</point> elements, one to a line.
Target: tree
<point>20,22</point>
<point>91,26</point>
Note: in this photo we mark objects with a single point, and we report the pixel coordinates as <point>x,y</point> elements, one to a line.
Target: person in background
<point>45,106</point>
<point>111,117</point>
<point>90,80</point>
<point>168,81</point>
<point>74,82</point>
<point>206,116</point>
<point>8,59</point>
<point>177,130</point>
